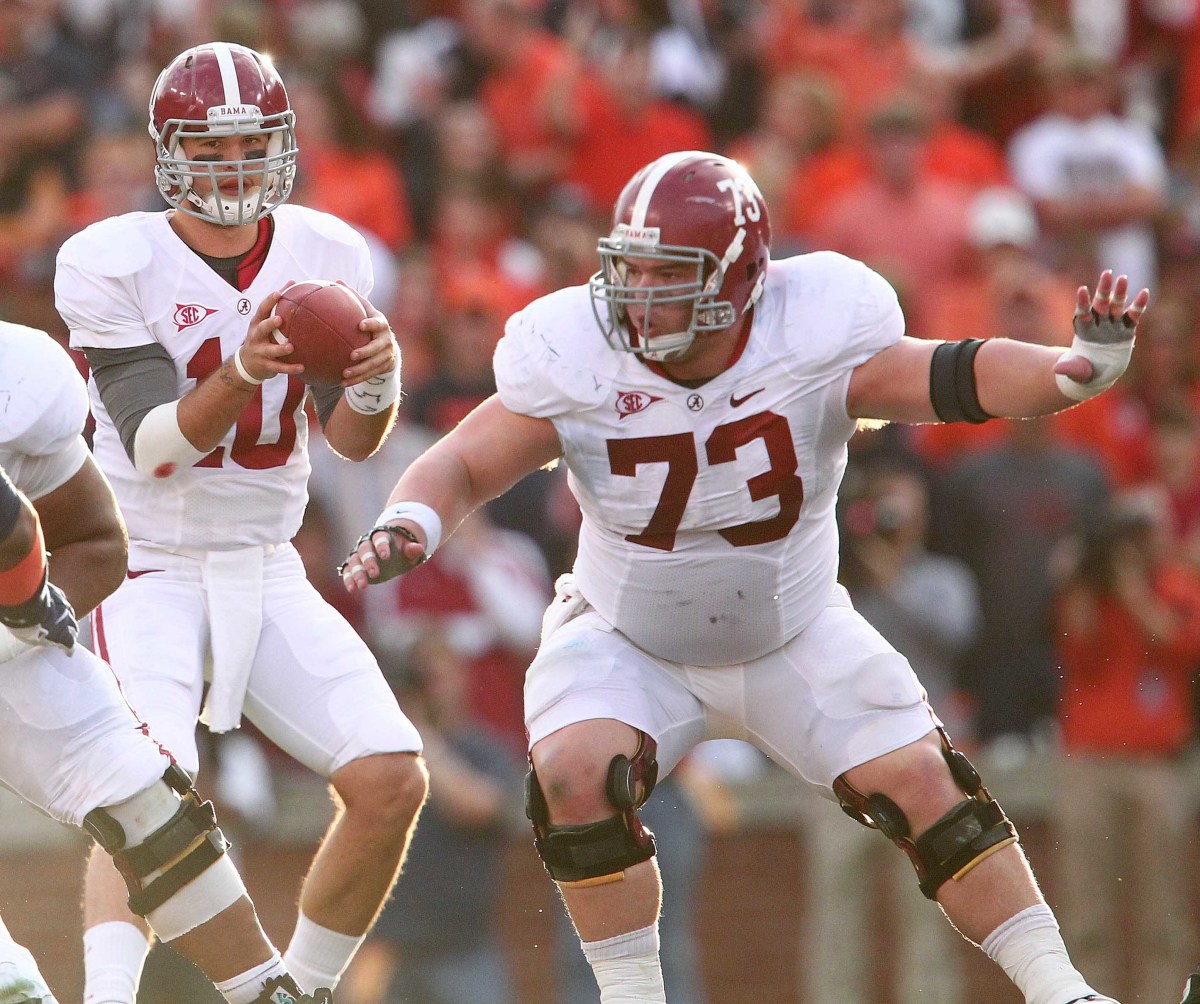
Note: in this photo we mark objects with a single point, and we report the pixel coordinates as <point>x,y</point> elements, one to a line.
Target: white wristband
<point>375,395</point>
<point>421,514</point>
<point>1108,361</point>
<point>242,371</point>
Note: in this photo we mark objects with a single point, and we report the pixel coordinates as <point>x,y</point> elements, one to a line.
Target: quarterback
<point>201,429</point>
<point>69,742</point>
<point>702,397</point>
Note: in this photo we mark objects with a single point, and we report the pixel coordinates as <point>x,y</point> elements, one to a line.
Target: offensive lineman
<point>202,431</point>
<point>705,436</point>
<point>69,743</point>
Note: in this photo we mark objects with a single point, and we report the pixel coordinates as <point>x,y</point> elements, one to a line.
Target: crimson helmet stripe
<point>229,78</point>
<point>646,192</point>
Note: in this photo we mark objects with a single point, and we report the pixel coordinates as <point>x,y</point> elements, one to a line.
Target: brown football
<point>320,318</point>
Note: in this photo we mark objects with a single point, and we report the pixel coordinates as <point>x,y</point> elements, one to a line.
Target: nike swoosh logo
<point>145,571</point>
<point>737,402</point>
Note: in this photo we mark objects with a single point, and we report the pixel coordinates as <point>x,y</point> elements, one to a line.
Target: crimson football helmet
<point>220,89</point>
<point>694,208</point>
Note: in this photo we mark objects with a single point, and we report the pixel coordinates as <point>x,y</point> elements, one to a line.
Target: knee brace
<point>161,840</point>
<point>597,853</point>
<point>971,831</point>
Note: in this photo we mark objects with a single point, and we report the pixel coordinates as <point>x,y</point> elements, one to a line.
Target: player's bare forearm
<point>355,436</point>
<point>486,454</point>
<point>1017,379</point>
<point>86,538</point>
<point>208,411</point>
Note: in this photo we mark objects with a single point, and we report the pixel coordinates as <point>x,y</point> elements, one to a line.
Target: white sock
<point>627,967</point>
<point>113,955</point>
<point>317,956</point>
<point>1029,948</point>
<point>245,989</point>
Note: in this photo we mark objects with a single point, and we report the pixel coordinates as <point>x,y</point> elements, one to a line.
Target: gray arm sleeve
<point>131,382</point>
<point>325,398</point>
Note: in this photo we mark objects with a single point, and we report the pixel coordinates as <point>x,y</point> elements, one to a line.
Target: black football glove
<point>45,619</point>
<point>396,564</point>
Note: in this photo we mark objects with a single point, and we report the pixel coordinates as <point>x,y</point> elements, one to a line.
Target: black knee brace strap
<point>595,853</point>
<point>185,845</point>
<point>971,831</point>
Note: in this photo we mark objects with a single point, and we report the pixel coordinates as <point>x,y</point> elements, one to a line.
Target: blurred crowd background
<point>986,156</point>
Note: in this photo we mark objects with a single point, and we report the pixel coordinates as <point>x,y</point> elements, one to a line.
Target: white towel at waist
<point>233,583</point>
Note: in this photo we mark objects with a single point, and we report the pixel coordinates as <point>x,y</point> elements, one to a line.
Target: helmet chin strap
<point>227,212</point>
<point>665,348</point>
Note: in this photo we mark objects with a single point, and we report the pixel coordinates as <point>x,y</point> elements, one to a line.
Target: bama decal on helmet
<point>638,235</point>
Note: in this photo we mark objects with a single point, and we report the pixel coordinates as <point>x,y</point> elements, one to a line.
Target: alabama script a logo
<point>187,314</point>
<point>630,402</point>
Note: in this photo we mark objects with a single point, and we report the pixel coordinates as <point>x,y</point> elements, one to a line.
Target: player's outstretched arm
<point>485,455</point>
<point>1003,378</point>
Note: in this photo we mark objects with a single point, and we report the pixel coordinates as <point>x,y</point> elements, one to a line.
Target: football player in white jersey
<point>69,742</point>
<point>201,429</point>
<point>702,398</point>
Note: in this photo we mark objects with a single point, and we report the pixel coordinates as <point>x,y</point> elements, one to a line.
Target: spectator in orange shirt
<point>952,153</point>
<point>1129,639</point>
<point>528,89</point>
<point>1174,445</point>
<point>620,123</point>
<point>868,47</point>
<point>905,224</point>
<point>1007,292</point>
<point>475,232</point>
<point>342,170</point>
<point>797,129</point>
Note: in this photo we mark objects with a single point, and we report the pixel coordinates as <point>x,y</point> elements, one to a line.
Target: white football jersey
<point>131,281</point>
<point>709,536</point>
<point>43,407</point>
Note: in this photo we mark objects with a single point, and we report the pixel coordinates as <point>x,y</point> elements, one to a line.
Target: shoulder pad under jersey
<point>43,399</point>
<point>553,357</point>
<point>112,248</point>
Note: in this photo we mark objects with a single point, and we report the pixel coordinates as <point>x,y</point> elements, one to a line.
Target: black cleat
<point>283,990</point>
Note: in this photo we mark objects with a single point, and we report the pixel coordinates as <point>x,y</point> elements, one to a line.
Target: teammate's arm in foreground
<point>31,607</point>
<point>485,455</point>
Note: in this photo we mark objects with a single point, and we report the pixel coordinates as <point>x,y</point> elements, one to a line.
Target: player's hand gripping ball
<point>320,318</point>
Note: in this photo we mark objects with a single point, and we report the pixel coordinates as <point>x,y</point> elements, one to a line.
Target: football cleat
<point>283,990</point>
<point>1191,990</point>
<point>17,988</point>
<point>22,992</point>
